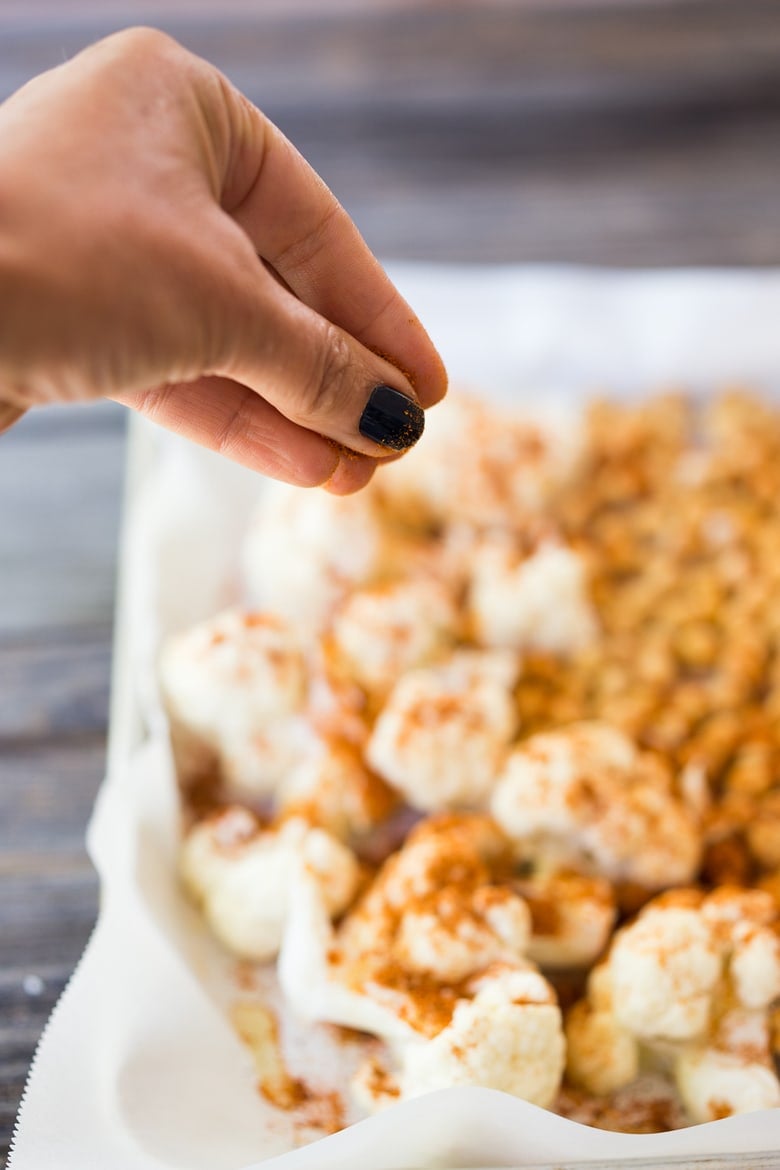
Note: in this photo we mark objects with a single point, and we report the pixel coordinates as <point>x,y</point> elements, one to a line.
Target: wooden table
<point>619,133</point>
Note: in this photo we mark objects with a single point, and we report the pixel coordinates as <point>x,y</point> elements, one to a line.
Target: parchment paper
<point>139,1068</point>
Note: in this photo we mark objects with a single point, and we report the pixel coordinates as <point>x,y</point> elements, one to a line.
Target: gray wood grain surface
<point>618,133</point>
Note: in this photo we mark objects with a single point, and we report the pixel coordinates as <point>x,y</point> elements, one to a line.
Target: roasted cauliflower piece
<point>235,689</point>
<point>240,874</point>
<point>442,734</point>
<point>585,796</point>
<point>692,980</point>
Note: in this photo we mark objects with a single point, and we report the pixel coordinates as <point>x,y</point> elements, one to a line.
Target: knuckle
<point>146,57</point>
<point>145,42</point>
<point>231,437</point>
<point>155,402</point>
<point>299,255</point>
<point>329,383</point>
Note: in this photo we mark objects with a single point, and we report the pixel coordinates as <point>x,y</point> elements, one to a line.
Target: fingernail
<point>392,419</point>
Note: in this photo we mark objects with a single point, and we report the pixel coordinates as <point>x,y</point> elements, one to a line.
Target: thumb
<point>320,377</point>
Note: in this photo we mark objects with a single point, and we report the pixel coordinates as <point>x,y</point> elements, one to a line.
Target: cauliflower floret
<point>507,1037</point>
<point>584,794</point>
<point>664,969</point>
<point>572,917</point>
<point>742,1031</point>
<point>714,1084</point>
<point>743,921</point>
<point>432,917</point>
<point>333,788</point>
<point>430,960</point>
<point>381,632</point>
<point>235,689</point>
<point>601,1056</point>
<point>441,736</point>
<point>240,874</point>
<point>755,966</point>
<point>694,978</point>
<point>209,846</point>
<point>537,602</point>
<point>458,849</point>
<point>304,549</point>
<point>433,908</point>
<point>448,936</point>
<point>483,464</point>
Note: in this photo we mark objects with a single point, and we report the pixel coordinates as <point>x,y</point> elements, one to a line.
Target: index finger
<point>298,226</point>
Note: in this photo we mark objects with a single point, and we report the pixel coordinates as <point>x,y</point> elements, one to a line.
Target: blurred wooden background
<point>623,132</point>
<point>631,132</point>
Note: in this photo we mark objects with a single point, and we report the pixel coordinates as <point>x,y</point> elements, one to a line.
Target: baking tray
<point>570,329</point>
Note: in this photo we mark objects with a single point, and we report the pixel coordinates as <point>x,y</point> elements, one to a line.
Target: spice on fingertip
<point>391,419</point>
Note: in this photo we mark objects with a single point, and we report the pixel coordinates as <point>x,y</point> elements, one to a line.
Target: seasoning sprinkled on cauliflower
<point>446,936</point>
<point>538,601</point>
<point>333,789</point>
<point>381,632</point>
<point>601,1056</point>
<point>235,689</point>
<point>241,874</point>
<point>692,979</point>
<point>442,734</point>
<point>434,910</point>
<point>507,1037</point>
<point>483,464</point>
<point>432,918</point>
<point>715,1084</point>
<point>304,549</point>
<point>571,917</point>
<point>500,1026</point>
<point>586,796</point>
<point>664,969</point>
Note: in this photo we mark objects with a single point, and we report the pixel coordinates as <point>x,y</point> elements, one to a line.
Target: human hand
<point>162,244</point>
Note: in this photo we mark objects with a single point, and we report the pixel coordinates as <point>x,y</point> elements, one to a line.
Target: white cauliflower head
<point>333,788</point>
<point>236,684</point>
<point>448,934</point>
<point>381,632</point>
<point>586,796</point>
<point>241,874</point>
<point>507,1037</point>
<point>483,464</point>
<point>714,1084</point>
<point>572,916</point>
<point>601,1056</point>
<point>664,969</point>
<point>304,549</point>
<point>431,960</point>
<point>693,977</point>
<point>745,924</point>
<point>536,602</point>
<point>434,910</point>
<point>442,734</point>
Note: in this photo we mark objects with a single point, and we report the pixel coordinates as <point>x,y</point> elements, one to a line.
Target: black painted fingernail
<point>392,419</point>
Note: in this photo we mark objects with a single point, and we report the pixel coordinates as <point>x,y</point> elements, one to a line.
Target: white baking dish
<point>139,1067</point>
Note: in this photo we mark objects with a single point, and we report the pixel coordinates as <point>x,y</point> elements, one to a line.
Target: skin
<point>162,244</point>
